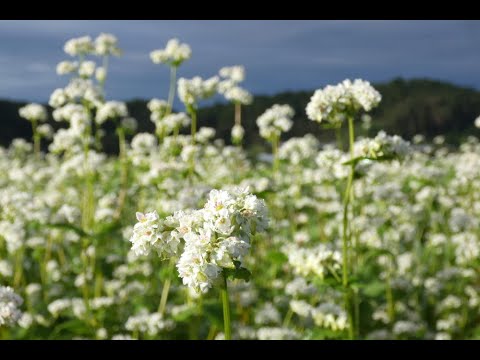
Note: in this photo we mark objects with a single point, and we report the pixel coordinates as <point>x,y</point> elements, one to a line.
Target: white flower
<point>111,110</point>
<point>190,91</point>
<point>33,112</point>
<point>238,95</point>
<point>174,54</point>
<point>235,73</point>
<point>79,46</point>
<point>10,302</point>
<point>331,102</point>
<point>276,120</point>
<point>477,122</point>
<point>58,98</point>
<point>66,67</point>
<point>238,132</point>
<point>107,44</point>
<point>100,74</point>
<point>382,146</point>
<point>87,69</point>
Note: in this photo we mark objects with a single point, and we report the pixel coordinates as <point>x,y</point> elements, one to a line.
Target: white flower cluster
<point>298,149</point>
<point>66,67</point>
<point>79,46</point>
<point>9,306</point>
<point>107,44</point>
<point>111,110</point>
<point>174,54</point>
<point>175,121</point>
<point>331,102</point>
<point>190,91</point>
<point>149,233</point>
<point>87,69</point>
<point>150,324</point>
<point>238,132</point>
<point>331,316</point>
<point>382,146</point>
<point>233,75</point>
<point>276,120</point>
<point>317,261</point>
<point>216,236</point>
<point>477,122</point>
<point>33,112</point>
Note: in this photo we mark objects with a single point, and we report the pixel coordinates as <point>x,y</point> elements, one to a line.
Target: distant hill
<point>408,107</point>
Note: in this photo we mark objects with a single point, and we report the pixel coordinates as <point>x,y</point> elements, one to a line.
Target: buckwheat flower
<point>33,112</point>
<point>151,324</point>
<point>382,146</point>
<point>190,91</point>
<point>174,54</point>
<point>330,102</point>
<point>107,44</point>
<point>275,120</point>
<point>45,130</point>
<point>58,306</point>
<point>301,308</point>
<point>330,316</point>
<point>143,142</point>
<point>238,95</point>
<point>111,110</point>
<point>87,69</point>
<point>79,46</point>
<point>237,132</point>
<point>149,233</point>
<point>129,123</point>
<point>10,302</point>
<point>477,122</point>
<point>157,105</point>
<point>205,134</point>
<point>268,315</point>
<point>277,333</point>
<point>58,98</point>
<point>100,74</point>
<point>6,269</point>
<point>66,67</point>
<point>235,73</point>
<point>176,121</point>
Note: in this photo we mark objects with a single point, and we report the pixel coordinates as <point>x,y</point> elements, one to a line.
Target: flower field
<point>183,236</point>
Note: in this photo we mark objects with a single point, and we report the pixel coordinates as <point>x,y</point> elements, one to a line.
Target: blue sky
<point>278,55</point>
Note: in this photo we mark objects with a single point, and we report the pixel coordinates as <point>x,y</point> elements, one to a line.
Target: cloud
<point>278,55</point>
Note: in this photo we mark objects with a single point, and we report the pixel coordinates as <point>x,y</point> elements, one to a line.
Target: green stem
<point>171,91</point>
<point>275,141</point>
<point>226,309</point>
<point>123,172</point>
<point>390,302</point>
<point>338,135</point>
<point>166,288</point>
<point>36,139</point>
<point>288,317</point>
<point>193,115</point>
<point>345,235</point>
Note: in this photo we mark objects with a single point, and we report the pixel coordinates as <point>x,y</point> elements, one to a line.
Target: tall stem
<point>226,309</point>
<point>338,135</point>
<point>238,113</point>
<point>275,141</point>
<point>36,139</point>
<point>166,288</point>
<point>171,91</point>
<point>345,236</point>
<point>193,115</point>
<point>123,172</point>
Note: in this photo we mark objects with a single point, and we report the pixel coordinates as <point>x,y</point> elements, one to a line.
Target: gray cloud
<point>278,55</point>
